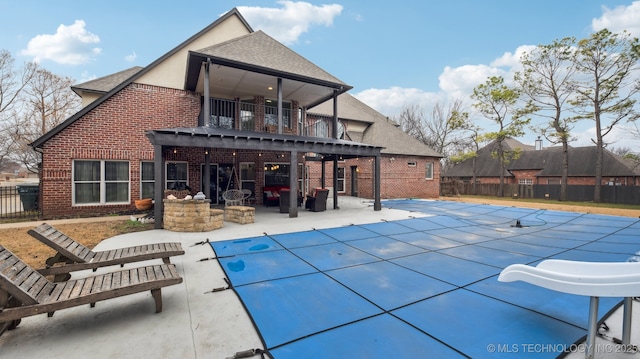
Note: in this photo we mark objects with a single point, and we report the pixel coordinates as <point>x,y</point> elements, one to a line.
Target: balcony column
<point>206,113</point>
<point>334,134</point>
<point>280,129</point>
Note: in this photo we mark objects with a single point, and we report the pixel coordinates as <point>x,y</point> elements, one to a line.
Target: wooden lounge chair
<point>76,257</point>
<point>25,292</point>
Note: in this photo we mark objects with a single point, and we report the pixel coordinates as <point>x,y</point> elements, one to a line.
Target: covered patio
<point>212,139</point>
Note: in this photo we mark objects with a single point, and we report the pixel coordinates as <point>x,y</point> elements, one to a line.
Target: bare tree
<point>12,84</point>
<point>608,62</point>
<point>443,131</point>
<point>46,102</point>
<point>547,80</point>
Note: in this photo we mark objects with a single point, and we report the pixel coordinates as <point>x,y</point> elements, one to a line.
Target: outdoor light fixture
<point>175,150</point>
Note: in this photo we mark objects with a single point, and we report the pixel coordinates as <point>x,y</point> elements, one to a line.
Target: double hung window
<point>100,182</point>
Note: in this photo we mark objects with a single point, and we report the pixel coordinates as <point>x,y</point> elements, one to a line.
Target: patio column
<point>293,184</point>
<point>158,185</point>
<point>377,205</point>
<point>335,182</point>
<point>207,174</point>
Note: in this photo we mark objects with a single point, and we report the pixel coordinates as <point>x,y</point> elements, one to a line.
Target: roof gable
<point>233,13</point>
<point>261,50</point>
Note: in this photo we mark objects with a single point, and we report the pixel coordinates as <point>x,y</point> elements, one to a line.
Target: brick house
<point>229,108</point>
<point>538,165</point>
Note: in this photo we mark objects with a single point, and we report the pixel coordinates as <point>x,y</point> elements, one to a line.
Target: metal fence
<point>577,193</point>
<point>19,201</point>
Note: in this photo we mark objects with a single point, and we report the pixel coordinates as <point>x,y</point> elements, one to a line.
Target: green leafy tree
<point>547,81</point>
<point>607,63</point>
<point>498,103</point>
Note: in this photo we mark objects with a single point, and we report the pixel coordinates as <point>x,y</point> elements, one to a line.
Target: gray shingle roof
<point>380,130</point>
<point>260,49</point>
<point>107,83</point>
<point>547,161</point>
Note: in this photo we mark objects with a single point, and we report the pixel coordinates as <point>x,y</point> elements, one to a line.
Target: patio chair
<point>24,292</point>
<point>233,197</point>
<point>76,257</point>
<point>317,203</point>
<point>594,279</point>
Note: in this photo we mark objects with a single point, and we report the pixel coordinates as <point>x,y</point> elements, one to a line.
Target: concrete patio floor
<point>197,320</point>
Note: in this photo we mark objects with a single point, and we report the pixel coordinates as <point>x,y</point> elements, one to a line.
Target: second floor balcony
<point>249,116</point>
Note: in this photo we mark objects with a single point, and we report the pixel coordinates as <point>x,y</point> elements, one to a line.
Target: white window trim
<point>103,189</point>
<point>428,164</point>
<point>343,178</point>
<point>145,181</point>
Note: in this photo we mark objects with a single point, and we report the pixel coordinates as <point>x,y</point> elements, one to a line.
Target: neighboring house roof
<point>379,130</point>
<point>547,161</point>
<point>106,83</point>
<point>44,138</point>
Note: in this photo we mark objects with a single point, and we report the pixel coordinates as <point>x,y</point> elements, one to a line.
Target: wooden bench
<point>76,257</point>
<point>25,292</point>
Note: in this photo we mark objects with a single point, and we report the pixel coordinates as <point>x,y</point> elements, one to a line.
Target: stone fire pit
<point>191,215</point>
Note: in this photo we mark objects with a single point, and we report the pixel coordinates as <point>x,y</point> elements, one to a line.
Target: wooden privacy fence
<point>578,193</point>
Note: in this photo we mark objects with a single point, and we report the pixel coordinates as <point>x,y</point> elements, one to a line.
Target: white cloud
<point>286,24</point>
<point>620,18</point>
<point>512,59</point>
<point>458,82</point>
<point>131,57</point>
<point>620,137</point>
<point>71,45</point>
<point>390,102</point>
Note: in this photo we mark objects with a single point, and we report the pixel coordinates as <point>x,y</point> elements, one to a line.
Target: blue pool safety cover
<point>425,286</point>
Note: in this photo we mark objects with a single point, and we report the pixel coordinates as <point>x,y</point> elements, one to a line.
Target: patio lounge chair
<point>75,256</point>
<point>594,279</point>
<point>318,202</point>
<point>24,292</point>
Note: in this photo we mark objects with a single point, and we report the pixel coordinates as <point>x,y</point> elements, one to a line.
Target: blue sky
<point>394,53</point>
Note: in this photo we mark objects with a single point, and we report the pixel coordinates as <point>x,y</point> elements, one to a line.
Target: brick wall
<point>114,130</point>
<point>397,178</point>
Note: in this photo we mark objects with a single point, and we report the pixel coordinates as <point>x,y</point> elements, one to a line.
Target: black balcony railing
<point>231,114</point>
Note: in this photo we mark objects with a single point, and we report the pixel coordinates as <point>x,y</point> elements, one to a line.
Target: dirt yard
<point>33,252</point>
<point>90,234</point>
<point>551,206</point>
